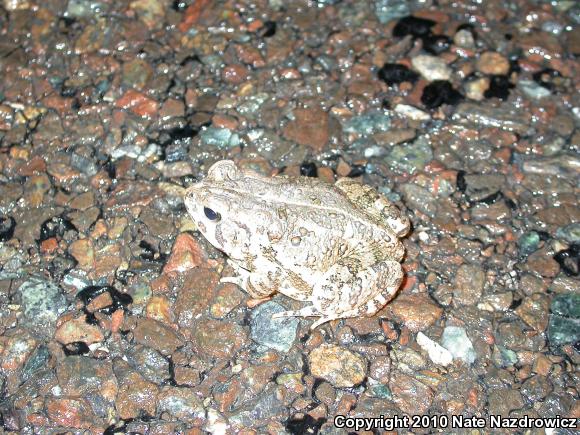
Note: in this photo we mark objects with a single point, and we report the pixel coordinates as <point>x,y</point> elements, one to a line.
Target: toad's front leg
<point>257,285</point>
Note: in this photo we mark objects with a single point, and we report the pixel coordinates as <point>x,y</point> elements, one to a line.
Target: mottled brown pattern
<point>336,246</point>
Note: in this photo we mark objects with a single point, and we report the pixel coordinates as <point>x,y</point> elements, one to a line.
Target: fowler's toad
<point>336,246</point>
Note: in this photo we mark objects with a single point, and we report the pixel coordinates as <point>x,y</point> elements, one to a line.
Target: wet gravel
<point>112,317</point>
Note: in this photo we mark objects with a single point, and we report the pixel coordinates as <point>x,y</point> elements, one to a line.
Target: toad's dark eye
<point>211,215</point>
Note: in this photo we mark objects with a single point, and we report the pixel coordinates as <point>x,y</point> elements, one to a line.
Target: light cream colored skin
<point>336,246</point>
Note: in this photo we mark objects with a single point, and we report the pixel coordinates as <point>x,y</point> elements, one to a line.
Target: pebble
<point>532,90</point>
<point>195,295</point>
<point>431,67</point>
<point>182,404</point>
<point>337,365</point>
<point>410,395</point>
<point>228,297</point>
<point>218,339</point>
<point>534,310</point>
<point>470,114</point>
<point>186,254</point>
<point>493,63</point>
<point>504,400</point>
<point>154,334</point>
<point>42,303</point>
<point>410,157</point>
<point>138,103</point>
<point>394,73</point>
<point>440,92</point>
<point>71,412</point>
<point>219,137</point>
<point>412,112</point>
<point>309,127</point>
<point>437,353</point>
<point>456,341</point>
<point>475,89</point>
<point>464,39</point>
<point>468,284</point>
<point>564,319</point>
<point>149,363</point>
<point>136,396</point>
<point>78,330</point>
<point>416,311</point>
<point>570,233</point>
<point>368,123</point>
<point>388,10</point>
<point>80,376</point>
<point>274,333</point>
<point>16,350</point>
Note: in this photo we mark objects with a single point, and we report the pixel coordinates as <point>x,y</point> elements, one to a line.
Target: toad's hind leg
<point>361,294</point>
<point>368,199</point>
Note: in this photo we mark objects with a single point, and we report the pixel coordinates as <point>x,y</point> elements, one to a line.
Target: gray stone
<point>570,233</point>
<point>149,363</point>
<point>368,123</point>
<point>42,303</point>
<point>456,341</point>
<point>533,90</point>
<point>480,186</point>
<point>564,324</point>
<point>388,10</point>
<point>219,137</point>
<point>278,334</point>
<point>505,117</point>
<point>410,158</point>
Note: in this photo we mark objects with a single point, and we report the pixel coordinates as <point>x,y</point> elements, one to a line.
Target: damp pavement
<point>112,317</point>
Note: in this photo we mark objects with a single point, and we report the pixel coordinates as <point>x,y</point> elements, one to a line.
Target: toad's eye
<point>211,215</point>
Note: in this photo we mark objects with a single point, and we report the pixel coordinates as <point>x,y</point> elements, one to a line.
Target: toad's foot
<point>309,311</point>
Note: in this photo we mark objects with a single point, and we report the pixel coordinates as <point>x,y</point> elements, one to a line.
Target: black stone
<point>436,44</point>
<point>569,260</point>
<point>190,58</point>
<point>68,91</point>
<point>491,199</point>
<point>357,171</point>
<point>151,253</point>
<point>111,170</point>
<point>269,29</point>
<point>308,169</point>
<point>515,65</point>
<point>544,78</point>
<point>410,25</point>
<point>181,133</point>
<point>76,348</point>
<point>438,93</point>
<point>304,425</point>
<point>460,181</point>
<point>147,251</point>
<point>394,73</point>
<point>179,5</point>
<point>466,26</point>
<point>7,225</point>
<point>499,87</point>
<point>61,265</point>
<point>516,303</point>
<point>120,300</point>
<point>56,226</point>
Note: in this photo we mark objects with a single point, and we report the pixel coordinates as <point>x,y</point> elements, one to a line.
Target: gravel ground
<point>112,317</point>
